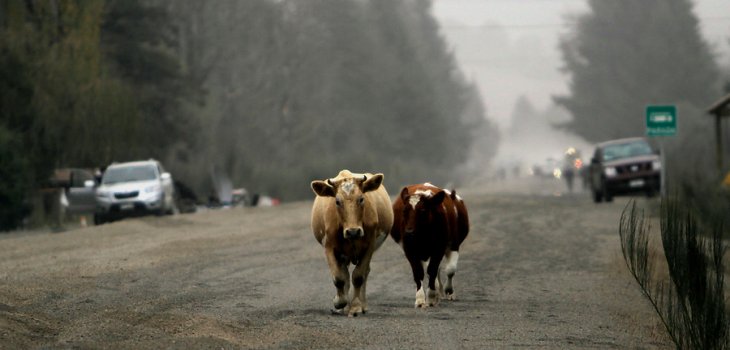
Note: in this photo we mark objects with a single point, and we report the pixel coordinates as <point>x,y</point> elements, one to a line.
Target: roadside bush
<point>691,301</point>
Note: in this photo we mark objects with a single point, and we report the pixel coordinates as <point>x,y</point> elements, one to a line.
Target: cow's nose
<point>353,233</point>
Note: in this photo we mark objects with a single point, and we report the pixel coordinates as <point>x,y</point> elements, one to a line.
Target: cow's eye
<point>361,201</point>
<point>338,202</point>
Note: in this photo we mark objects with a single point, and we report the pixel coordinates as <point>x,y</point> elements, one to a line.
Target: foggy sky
<point>509,47</point>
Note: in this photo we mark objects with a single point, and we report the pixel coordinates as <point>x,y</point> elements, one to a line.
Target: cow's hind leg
<point>452,260</point>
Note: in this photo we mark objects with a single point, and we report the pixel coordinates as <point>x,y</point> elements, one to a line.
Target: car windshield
<point>626,150</point>
<point>129,174</point>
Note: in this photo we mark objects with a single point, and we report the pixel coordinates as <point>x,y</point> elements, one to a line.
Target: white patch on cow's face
<point>413,200</point>
<point>416,197</point>
<point>347,187</point>
<point>426,193</point>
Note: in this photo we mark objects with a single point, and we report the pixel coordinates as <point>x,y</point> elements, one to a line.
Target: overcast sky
<point>509,47</point>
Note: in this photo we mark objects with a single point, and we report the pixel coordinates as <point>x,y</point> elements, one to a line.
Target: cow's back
<point>462,221</point>
<point>384,210</point>
<point>383,207</point>
<point>450,216</point>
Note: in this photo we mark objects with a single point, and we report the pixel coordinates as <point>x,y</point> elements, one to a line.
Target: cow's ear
<point>323,189</point>
<point>372,183</point>
<point>404,195</point>
<point>437,199</point>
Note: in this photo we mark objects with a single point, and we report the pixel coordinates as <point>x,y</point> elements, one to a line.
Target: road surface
<point>540,268</point>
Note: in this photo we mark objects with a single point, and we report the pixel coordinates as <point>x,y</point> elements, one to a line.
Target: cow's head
<point>350,200</point>
<point>418,208</point>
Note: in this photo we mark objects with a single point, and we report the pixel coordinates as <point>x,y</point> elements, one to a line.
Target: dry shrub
<point>691,301</point>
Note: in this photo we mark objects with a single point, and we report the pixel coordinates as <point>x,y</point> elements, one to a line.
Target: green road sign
<point>661,120</point>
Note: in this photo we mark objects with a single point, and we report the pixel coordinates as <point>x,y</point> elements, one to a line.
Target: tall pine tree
<point>626,54</point>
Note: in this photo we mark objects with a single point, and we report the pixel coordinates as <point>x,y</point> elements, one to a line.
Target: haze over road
<point>537,270</point>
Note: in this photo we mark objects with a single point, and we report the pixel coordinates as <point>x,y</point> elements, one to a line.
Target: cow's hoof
<point>433,297</point>
<point>339,303</point>
<point>450,294</point>
<point>355,311</point>
<point>420,298</point>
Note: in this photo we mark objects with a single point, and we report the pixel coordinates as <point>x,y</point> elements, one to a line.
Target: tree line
<point>269,94</point>
<point>623,55</point>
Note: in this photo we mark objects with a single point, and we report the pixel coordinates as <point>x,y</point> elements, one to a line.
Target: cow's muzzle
<point>352,233</point>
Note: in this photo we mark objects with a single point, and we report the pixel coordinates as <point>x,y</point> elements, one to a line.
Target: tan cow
<point>351,217</point>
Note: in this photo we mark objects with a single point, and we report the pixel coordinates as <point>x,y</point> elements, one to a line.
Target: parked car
<point>79,187</point>
<point>134,189</point>
<point>624,167</point>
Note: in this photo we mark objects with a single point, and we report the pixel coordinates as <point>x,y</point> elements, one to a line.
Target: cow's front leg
<point>363,291</point>
<point>417,268</point>
<point>341,279</point>
<point>360,273</point>
<point>433,270</point>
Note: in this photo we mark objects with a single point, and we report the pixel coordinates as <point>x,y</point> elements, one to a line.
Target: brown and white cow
<point>430,225</point>
<point>351,217</point>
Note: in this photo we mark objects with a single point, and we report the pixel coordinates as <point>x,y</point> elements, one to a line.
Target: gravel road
<point>539,269</point>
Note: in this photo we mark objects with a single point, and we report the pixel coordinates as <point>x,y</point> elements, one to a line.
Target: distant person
<point>585,175</point>
<point>569,175</point>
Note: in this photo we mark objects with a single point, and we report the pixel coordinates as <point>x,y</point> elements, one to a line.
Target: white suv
<point>134,189</point>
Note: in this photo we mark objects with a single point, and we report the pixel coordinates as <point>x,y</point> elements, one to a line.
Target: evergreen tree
<point>624,55</point>
<point>59,106</point>
<point>303,88</point>
<point>138,40</point>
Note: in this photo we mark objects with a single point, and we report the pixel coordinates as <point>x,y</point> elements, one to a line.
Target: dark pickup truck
<point>624,167</point>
